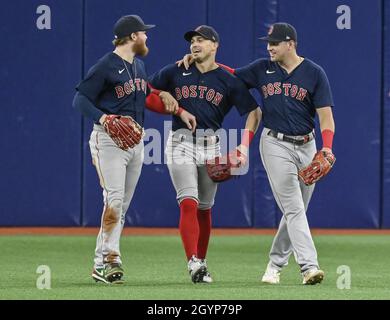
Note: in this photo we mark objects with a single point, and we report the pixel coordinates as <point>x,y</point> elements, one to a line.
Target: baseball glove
<point>124,130</point>
<point>220,169</point>
<point>319,167</point>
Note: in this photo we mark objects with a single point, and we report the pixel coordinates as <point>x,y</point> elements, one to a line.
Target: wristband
<point>247,137</point>
<point>327,138</point>
<point>179,111</point>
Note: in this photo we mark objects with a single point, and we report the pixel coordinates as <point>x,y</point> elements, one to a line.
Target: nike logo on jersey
<point>120,71</point>
<point>269,71</point>
<point>187,74</point>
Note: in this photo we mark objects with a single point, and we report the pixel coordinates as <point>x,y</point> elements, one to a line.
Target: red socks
<point>188,226</point>
<point>195,228</point>
<point>204,221</point>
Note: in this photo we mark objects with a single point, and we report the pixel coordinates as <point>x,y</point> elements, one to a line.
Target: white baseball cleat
<point>271,275</point>
<point>313,276</point>
<point>196,269</point>
<point>207,276</point>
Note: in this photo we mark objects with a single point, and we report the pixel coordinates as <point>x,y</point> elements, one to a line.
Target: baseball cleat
<point>114,273</point>
<point>98,275</point>
<point>207,276</point>
<point>313,276</point>
<point>271,275</point>
<point>196,269</point>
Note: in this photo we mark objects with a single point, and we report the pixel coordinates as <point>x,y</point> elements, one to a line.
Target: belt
<point>205,141</point>
<point>298,140</point>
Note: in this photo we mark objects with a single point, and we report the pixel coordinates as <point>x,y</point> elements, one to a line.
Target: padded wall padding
<point>41,134</point>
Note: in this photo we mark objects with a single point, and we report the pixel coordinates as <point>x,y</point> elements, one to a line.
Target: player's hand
<point>102,119</point>
<point>327,150</point>
<point>170,103</point>
<point>242,154</point>
<point>186,61</point>
<point>189,119</point>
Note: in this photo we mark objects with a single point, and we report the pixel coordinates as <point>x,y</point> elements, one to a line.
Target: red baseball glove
<point>319,167</point>
<point>220,169</point>
<point>124,130</point>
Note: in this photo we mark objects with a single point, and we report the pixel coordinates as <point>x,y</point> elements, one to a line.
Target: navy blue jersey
<point>115,89</point>
<point>289,100</point>
<point>208,96</point>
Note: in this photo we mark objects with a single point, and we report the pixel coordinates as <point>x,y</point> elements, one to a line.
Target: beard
<point>140,48</point>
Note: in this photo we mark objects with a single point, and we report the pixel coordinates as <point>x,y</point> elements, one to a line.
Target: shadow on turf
<point>155,283</point>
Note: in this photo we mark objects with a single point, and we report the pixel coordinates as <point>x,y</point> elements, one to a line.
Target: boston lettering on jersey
<point>287,89</point>
<point>209,96</point>
<point>130,86</point>
<point>201,92</point>
<point>289,99</point>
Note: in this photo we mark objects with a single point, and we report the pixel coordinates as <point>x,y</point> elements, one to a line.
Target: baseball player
<point>117,85</point>
<point>208,92</point>
<point>293,89</point>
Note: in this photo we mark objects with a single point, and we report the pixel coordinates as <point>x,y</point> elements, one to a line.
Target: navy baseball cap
<point>281,31</point>
<point>127,25</point>
<point>204,31</point>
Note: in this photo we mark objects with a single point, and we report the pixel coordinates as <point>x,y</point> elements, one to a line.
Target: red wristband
<point>327,138</point>
<point>179,111</point>
<point>247,137</point>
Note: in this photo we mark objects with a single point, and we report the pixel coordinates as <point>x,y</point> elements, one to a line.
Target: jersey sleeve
<point>248,74</point>
<point>241,98</point>
<point>93,84</point>
<point>161,79</point>
<point>86,107</point>
<point>322,96</point>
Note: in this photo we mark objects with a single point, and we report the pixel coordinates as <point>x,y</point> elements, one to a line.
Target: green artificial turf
<point>155,268</point>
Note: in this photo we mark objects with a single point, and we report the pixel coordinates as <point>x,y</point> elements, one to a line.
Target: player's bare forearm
<point>327,127</point>
<point>253,120</point>
<point>325,116</point>
<point>188,118</point>
<point>251,126</point>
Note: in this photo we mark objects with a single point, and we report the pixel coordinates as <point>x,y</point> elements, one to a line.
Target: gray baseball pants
<point>282,160</point>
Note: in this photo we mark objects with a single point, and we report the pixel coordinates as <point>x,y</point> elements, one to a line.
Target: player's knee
<point>115,206</point>
<point>112,214</point>
<point>294,212</point>
<point>116,203</point>
<point>187,193</point>
<point>180,201</point>
<point>205,205</point>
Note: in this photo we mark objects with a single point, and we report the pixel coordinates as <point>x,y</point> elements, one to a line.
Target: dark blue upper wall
<point>386,118</point>
<point>40,144</point>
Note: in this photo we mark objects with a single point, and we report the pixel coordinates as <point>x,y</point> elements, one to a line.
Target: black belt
<point>298,140</point>
<point>205,141</point>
